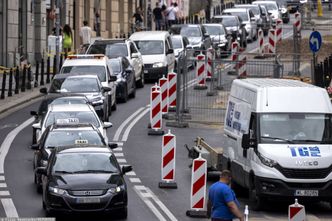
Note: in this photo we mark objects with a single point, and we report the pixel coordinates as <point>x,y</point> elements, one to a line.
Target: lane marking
<point>2,178</point>
<point>9,208</point>
<point>135,180</point>
<point>119,130</point>
<point>120,144</point>
<point>118,154</point>
<point>4,193</point>
<point>121,161</point>
<point>132,124</point>
<point>3,185</point>
<point>131,173</point>
<point>119,149</point>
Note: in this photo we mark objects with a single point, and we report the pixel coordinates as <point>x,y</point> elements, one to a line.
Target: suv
<point>93,64</point>
<point>118,47</point>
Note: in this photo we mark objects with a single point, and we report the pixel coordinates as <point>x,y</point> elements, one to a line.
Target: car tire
<point>114,106</point>
<point>133,93</point>
<point>34,136</point>
<point>125,95</point>
<point>256,202</point>
<point>122,213</point>
<point>140,82</point>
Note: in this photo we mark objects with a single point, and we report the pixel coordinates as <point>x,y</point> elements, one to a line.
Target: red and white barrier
<point>242,64</point>
<point>155,87</point>
<point>155,112</point>
<point>297,22</point>
<point>272,41</point>
<point>163,83</point>
<point>198,187</point>
<point>168,161</point>
<point>279,24</point>
<point>296,212</point>
<point>200,72</point>
<point>172,89</point>
<point>234,50</point>
<point>260,41</point>
<point>210,58</point>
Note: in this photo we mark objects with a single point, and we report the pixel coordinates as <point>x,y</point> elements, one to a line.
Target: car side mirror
<point>43,90</point>
<point>112,78</point>
<point>34,147</point>
<point>245,141</point>
<point>107,125</point>
<point>36,126</point>
<point>33,113</point>
<point>253,19</point>
<point>41,170</point>
<point>134,55</point>
<point>113,145</point>
<point>170,51</point>
<point>106,89</point>
<point>206,35</point>
<point>126,169</point>
<point>242,25</point>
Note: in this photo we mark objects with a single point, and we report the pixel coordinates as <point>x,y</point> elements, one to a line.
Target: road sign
<point>315,41</point>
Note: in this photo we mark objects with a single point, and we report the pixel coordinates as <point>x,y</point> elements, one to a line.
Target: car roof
<point>177,36</point>
<point>213,24</point>
<point>69,107</point>
<point>81,126</point>
<point>235,9</point>
<point>77,149</point>
<point>149,35</point>
<point>262,2</point>
<point>75,75</point>
<point>109,40</point>
<point>245,5</point>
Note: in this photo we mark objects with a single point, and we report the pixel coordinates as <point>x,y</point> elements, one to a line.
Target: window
<point>133,48</point>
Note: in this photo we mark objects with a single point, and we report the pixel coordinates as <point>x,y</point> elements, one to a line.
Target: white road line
<point>119,130</point>
<point>2,178</point>
<point>135,180</point>
<point>132,124</point>
<point>118,154</point>
<point>131,173</point>
<point>122,161</point>
<point>4,193</point>
<point>119,149</point>
<point>9,208</point>
<point>3,185</point>
<point>120,144</point>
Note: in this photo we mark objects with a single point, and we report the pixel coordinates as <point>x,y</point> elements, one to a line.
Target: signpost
<point>315,43</point>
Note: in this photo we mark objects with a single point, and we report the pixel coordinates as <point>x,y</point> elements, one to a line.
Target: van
<point>157,53</point>
<point>279,139</point>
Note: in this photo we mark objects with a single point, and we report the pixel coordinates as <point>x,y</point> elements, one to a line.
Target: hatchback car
<point>221,41</point>
<point>125,84</point>
<point>84,180</point>
<point>180,44</point>
<point>118,47</point>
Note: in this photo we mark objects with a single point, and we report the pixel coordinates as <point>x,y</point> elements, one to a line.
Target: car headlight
<point>283,10</point>
<point>98,100</point>
<point>57,191</point>
<point>114,190</point>
<point>158,65</point>
<point>266,161</point>
<point>221,45</point>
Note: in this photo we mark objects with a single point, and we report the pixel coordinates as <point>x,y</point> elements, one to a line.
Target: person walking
<point>67,37</point>
<point>97,24</point>
<point>171,13</point>
<point>164,24</point>
<point>223,204</point>
<point>158,16</point>
<point>85,34</point>
<point>138,16</point>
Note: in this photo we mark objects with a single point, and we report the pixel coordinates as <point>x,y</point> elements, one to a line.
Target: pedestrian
<point>85,34</point>
<point>158,16</point>
<point>164,22</point>
<point>222,203</point>
<point>67,37</point>
<point>138,16</point>
<point>171,13</point>
<point>97,24</point>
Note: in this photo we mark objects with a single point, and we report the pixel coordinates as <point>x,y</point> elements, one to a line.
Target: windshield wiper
<point>308,140</point>
<point>63,171</point>
<point>94,171</point>
<point>278,138</point>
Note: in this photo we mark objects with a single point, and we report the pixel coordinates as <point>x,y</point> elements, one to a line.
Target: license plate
<point>306,192</point>
<point>146,71</point>
<point>88,200</point>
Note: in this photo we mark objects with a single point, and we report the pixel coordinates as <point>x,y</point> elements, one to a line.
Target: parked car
<point>266,17</point>
<point>125,84</point>
<point>85,179</point>
<point>157,53</point>
<point>221,40</point>
<point>272,8</point>
<point>248,18</point>
<point>234,26</point>
<point>118,47</point>
<point>180,44</point>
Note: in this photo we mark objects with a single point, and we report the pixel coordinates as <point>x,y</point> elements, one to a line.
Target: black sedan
<point>80,180</point>
<point>125,84</point>
<point>84,135</point>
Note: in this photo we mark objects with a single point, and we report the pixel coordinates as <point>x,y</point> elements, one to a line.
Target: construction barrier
<point>200,72</point>
<point>163,83</point>
<point>272,41</point>
<point>168,161</point>
<point>172,91</point>
<point>210,57</point>
<point>297,22</point>
<point>260,41</point>
<point>279,29</point>
<point>234,57</point>
<point>155,113</point>
<point>242,64</point>
<point>296,212</point>
<point>198,188</point>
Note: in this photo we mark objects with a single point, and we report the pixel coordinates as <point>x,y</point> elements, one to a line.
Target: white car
<point>119,47</point>
<point>93,64</point>
<point>70,114</point>
<point>272,8</point>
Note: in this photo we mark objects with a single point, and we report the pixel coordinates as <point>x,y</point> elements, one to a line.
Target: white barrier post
<point>272,41</point>
<point>200,72</point>
<point>234,57</point>
<point>163,83</point>
<point>296,212</point>
<point>172,91</point>
<point>155,112</point>
<point>279,25</point>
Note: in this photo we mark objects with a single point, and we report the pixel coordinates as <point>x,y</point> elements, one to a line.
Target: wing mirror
<point>126,169</point>
<point>43,90</point>
<point>41,170</point>
<point>106,89</point>
<point>33,113</point>
<point>134,55</point>
<point>170,51</point>
<point>113,145</point>
<point>112,78</point>
<point>34,147</point>
<point>36,126</point>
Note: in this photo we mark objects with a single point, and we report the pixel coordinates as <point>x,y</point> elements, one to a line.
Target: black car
<point>65,135</point>
<point>125,84</point>
<point>54,99</point>
<point>78,180</point>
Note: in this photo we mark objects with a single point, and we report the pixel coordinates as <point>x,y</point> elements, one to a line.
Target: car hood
<point>86,181</point>
<point>150,59</point>
<point>194,40</point>
<point>232,28</point>
<point>218,38</point>
<point>177,51</point>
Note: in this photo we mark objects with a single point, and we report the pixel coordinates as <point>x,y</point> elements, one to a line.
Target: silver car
<point>221,41</point>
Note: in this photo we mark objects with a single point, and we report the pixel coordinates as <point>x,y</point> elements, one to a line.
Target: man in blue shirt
<point>222,203</point>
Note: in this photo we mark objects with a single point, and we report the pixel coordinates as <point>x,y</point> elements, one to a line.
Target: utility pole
<point>57,39</point>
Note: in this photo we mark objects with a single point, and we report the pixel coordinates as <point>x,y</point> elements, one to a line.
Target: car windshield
<point>85,163</point>
<point>270,6</point>
<point>177,43</point>
<point>150,47</point>
<point>116,50</point>
<point>71,117</point>
<point>243,15</point>
<point>189,31</point>
<point>296,128</point>
<point>254,10</point>
<point>229,22</point>
<point>214,30</point>
<point>73,137</point>
<point>90,69</point>
<point>74,85</point>
<point>116,66</point>
<point>97,49</point>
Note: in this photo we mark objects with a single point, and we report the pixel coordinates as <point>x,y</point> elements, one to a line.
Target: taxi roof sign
<point>86,56</point>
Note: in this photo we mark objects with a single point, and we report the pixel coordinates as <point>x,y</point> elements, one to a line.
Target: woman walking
<point>67,39</point>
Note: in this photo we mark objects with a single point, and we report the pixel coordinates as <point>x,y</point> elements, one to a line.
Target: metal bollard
<point>28,86</point>
<point>48,67</point>
<point>2,96</point>
<point>10,87</point>
<point>23,79</point>
<point>54,66</point>
<point>42,72</point>
<point>17,80</point>
<point>36,74</point>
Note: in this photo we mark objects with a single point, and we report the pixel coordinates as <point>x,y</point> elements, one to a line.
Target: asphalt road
<point>146,200</point>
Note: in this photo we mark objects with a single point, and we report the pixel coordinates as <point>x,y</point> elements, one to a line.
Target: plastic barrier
<point>200,72</point>
<point>272,41</point>
<point>242,64</point>
<point>260,41</point>
<point>297,22</point>
<point>210,57</point>
<point>155,112</point>
<point>296,212</point>
<point>163,83</point>
<point>279,29</point>
<point>234,57</point>
<point>172,91</point>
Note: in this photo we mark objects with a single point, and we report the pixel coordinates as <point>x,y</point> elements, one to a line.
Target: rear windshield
<point>177,43</point>
<point>89,69</point>
<point>116,66</point>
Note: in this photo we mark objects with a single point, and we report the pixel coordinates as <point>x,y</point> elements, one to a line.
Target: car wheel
<point>34,136</point>
<point>133,93</point>
<point>105,114</point>
<point>256,202</point>
<point>125,94</point>
<point>123,213</point>
<point>114,106</point>
<point>140,82</point>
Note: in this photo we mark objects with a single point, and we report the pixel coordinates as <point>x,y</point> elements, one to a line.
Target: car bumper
<point>278,189</point>
<point>155,73</point>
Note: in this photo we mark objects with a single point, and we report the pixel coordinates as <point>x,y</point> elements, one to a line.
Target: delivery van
<point>279,140</point>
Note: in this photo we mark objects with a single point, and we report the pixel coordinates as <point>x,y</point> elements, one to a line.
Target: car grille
<point>320,173</point>
<point>148,65</point>
<point>88,206</point>
<point>87,192</point>
<point>306,185</point>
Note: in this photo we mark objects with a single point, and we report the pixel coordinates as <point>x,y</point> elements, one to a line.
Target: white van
<point>157,53</point>
<point>279,140</point>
